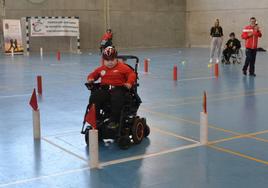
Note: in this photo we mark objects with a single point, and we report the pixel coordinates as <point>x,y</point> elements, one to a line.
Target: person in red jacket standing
<point>116,78</point>
<point>251,34</point>
<point>106,39</point>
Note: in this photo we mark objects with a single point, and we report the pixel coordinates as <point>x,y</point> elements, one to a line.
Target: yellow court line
<point>238,154</point>
<point>211,95</point>
<point>225,139</point>
<point>188,121</point>
<point>249,135</point>
<point>238,135</point>
<point>259,139</point>
<point>212,100</point>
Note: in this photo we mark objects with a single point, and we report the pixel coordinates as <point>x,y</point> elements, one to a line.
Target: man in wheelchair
<point>116,96</point>
<point>232,46</point>
<point>116,79</point>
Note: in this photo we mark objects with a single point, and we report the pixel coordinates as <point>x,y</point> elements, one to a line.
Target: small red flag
<point>33,101</point>
<point>91,117</point>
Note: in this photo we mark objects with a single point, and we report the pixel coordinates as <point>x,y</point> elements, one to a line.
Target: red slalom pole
<point>39,85</point>
<point>58,56</point>
<point>175,73</point>
<point>146,65</point>
<point>205,102</point>
<point>216,70</point>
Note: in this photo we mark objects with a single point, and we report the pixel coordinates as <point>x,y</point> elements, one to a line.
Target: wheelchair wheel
<point>124,142</point>
<point>86,135</point>
<point>146,128</point>
<point>146,131</point>
<point>137,130</point>
<point>240,56</point>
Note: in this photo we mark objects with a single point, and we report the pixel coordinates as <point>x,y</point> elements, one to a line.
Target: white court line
<point>12,96</point>
<point>62,148</point>
<point>113,162</point>
<point>174,135</point>
<point>78,156</point>
<point>186,79</point>
<point>62,134</point>
<point>44,177</point>
<point>66,142</point>
<point>102,165</point>
<point>198,78</point>
<point>61,64</point>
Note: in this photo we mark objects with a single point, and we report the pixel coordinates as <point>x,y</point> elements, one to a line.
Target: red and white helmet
<point>109,53</point>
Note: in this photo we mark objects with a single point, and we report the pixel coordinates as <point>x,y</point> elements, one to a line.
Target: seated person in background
<point>231,47</point>
<point>116,79</point>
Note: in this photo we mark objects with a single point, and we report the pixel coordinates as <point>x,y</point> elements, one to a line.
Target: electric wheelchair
<point>132,128</point>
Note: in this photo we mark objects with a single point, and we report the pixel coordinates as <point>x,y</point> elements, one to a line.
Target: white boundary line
<point>174,135</point>
<point>113,162</point>
<point>102,165</point>
<point>108,163</point>
<point>181,80</point>
<point>134,157</point>
<point>44,177</point>
<point>70,132</point>
<point>198,78</point>
<point>61,64</point>
<point>65,150</point>
<point>11,96</point>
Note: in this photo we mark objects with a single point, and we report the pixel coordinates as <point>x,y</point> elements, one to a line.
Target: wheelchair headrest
<point>126,57</point>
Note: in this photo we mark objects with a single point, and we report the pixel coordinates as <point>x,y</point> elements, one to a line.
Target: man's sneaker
<point>210,61</point>
<point>245,73</point>
<point>252,74</point>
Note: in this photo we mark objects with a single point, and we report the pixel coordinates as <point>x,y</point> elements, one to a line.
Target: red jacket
<point>251,41</point>
<point>107,36</point>
<point>116,76</point>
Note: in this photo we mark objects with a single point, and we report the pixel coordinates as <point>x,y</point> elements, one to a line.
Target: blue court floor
<point>171,156</point>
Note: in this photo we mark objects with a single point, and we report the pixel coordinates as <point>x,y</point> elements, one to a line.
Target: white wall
<point>136,23</point>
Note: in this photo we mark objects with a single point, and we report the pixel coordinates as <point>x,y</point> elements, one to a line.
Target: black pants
<point>250,60</point>
<point>228,52</point>
<point>115,97</point>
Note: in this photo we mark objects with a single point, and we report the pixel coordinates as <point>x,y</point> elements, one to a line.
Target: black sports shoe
<point>245,73</point>
<point>252,74</point>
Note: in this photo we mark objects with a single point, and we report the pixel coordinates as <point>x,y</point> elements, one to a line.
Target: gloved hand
<point>127,85</point>
<point>90,81</point>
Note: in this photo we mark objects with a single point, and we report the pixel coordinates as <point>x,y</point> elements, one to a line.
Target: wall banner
<point>12,36</point>
<point>54,27</point>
